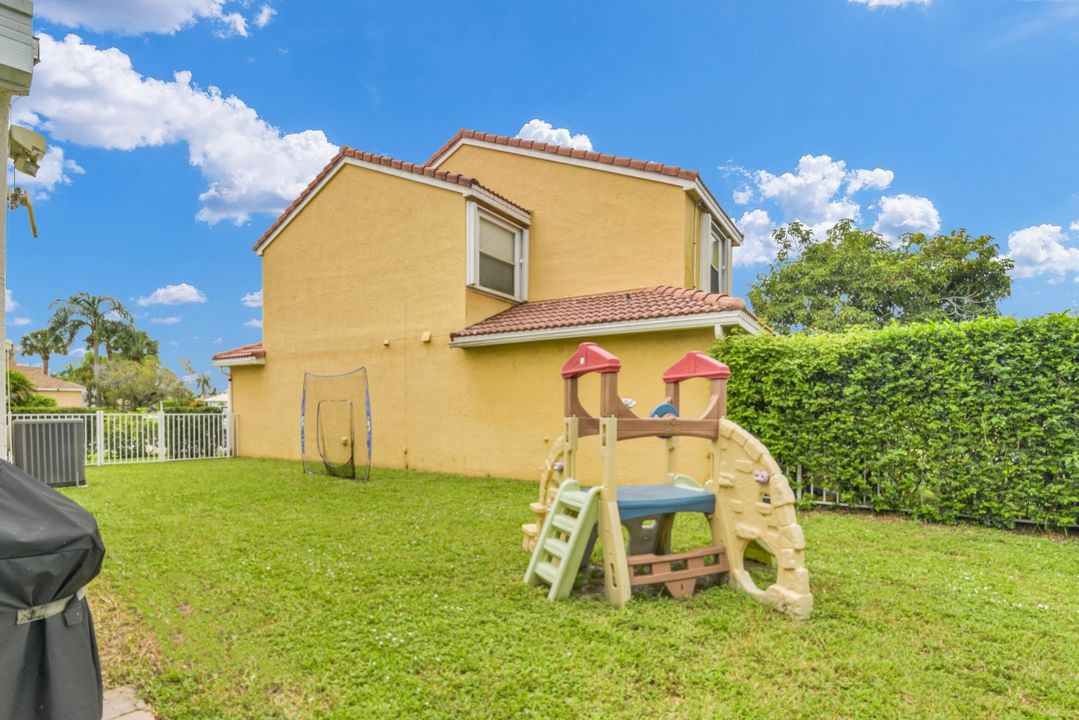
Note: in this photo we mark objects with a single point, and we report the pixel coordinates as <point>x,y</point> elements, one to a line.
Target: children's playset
<point>747,501</point>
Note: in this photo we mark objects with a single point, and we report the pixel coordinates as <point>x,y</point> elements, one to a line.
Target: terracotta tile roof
<point>415,168</point>
<point>616,160</point>
<point>244,351</point>
<point>661,301</point>
<point>41,381</point>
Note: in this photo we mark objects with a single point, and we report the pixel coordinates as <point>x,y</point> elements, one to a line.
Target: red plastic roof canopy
<point>590,357</point>
<point>695,364</point>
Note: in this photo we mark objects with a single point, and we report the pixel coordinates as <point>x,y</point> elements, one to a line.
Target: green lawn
<point>270,594</point>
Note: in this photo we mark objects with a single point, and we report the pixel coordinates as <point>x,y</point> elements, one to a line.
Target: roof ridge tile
<point>564,150</point>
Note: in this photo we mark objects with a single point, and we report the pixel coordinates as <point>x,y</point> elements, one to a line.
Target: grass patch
<point>269,594</point>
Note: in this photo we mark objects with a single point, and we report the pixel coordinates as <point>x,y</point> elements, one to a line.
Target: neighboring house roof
<point>253,354</point>
<point>465,136</point>
<point>41,381</point>
<point>654,308</point>
<point>383,161</point>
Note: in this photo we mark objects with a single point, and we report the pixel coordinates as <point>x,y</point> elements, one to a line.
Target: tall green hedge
<point>974,420</point>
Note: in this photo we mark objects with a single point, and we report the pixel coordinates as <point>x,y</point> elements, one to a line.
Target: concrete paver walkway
<point>122,702</point>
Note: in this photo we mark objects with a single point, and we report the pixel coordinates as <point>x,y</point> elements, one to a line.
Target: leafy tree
<point>854,277</point>
<point>132,384</point>
<point>204,384</point>
<point>83,311</point>
<point>966,275</point>
<point>44,343</point>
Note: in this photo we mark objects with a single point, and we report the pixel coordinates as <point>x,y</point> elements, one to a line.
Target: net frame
<point>307,378</point>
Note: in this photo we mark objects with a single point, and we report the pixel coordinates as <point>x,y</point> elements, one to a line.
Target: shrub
<point>977,419</point>
<point>190,406</point>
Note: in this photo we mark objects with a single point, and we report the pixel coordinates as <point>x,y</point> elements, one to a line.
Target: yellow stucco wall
<point>64,398</point>
<point>592,231</point>
<point>476,411</point>
<point>374,257</point>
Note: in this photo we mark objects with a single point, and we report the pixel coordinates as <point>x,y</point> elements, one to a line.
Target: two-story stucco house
<point>464,283</point>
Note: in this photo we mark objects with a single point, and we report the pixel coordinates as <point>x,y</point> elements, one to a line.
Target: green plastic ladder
<point>560,546</point>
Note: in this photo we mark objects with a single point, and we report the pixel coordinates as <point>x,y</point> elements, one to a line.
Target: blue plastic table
<point>637,501</point>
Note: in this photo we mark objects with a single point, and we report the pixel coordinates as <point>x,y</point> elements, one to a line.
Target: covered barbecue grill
<point>49,550</point>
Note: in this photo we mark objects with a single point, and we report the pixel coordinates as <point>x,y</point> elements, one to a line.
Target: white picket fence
<point>123,438</point>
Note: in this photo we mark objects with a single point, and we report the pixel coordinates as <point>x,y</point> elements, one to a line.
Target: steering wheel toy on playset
<point>747,501</point>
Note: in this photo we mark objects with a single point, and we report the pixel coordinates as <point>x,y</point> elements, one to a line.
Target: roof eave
<point>717,321</point>
<point>234,362</point>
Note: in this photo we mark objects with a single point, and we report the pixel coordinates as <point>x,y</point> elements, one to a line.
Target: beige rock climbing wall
<point>754,502</point>
<point>550,479</point>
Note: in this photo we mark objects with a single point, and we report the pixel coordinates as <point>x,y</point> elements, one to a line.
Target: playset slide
<point>747,501</point>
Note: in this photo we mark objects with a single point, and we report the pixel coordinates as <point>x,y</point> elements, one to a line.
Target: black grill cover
<point>49,549</point>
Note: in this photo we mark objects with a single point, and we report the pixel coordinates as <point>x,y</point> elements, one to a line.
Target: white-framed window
<point>715,261</point>
<point>497,254</point>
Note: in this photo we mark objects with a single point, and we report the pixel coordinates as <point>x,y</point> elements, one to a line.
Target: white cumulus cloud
<point>820,192</point>
<point>135,17</point>
<point>21,321</point>
<point>9,301</point>
<point>253,323</point>
<point>264,16</point>
<point>95,97</point>
<point>170,320</point>
<point>252,299</point>
<point>542,131</point>
<point>879,4</point>
<point>811,194</point>
<point>173,295</point>
<point>1042,249</point>
<point>904,213</point>
<point>757,243</point>
<point>876,179</point>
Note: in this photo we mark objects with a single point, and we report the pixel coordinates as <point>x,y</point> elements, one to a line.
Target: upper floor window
<point>715,258</point>
<point>497,254</point>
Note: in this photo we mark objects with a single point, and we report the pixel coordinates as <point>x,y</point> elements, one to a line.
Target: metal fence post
<point>161,454</point>
<point>231,422</point>
<point>99,436</point>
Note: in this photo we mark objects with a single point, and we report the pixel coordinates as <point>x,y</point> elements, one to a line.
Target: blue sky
<point>180,127</point>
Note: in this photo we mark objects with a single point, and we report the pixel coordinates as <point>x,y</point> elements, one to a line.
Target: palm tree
<point>44,343</point>
<point>204,384</point>
<point>124,338</point>
<point>112,335</point>
<point>83,311</point>
<point>137,344</point>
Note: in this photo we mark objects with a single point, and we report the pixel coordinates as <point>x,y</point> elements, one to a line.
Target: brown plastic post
<point>674,395</point>
<point>719,394</point>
